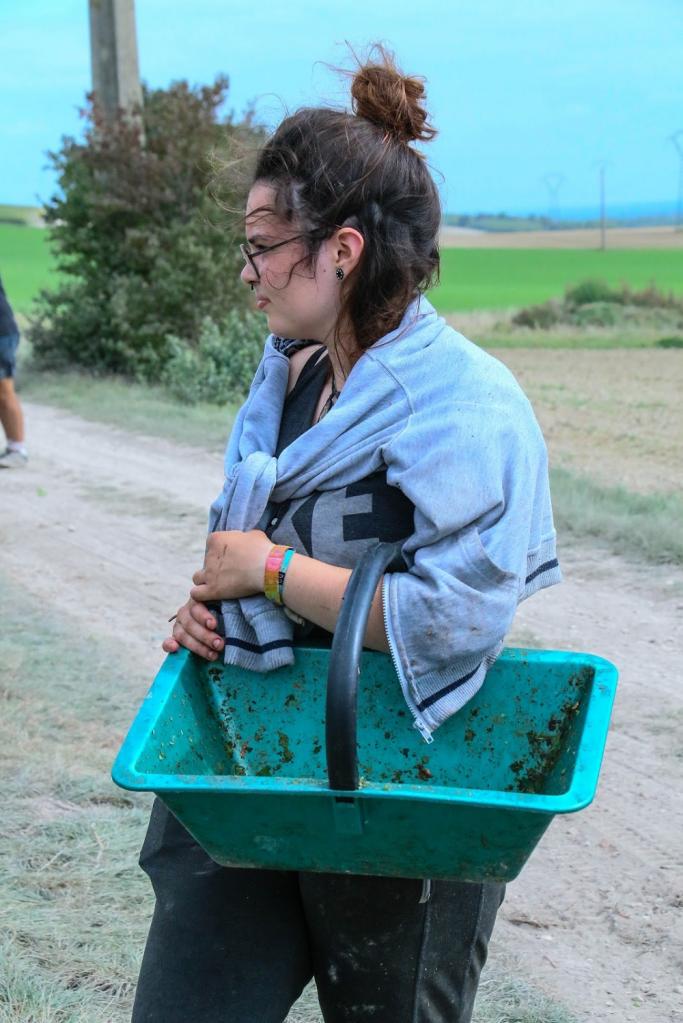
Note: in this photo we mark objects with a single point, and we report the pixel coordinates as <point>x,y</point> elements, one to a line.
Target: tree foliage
<point>145,251</point>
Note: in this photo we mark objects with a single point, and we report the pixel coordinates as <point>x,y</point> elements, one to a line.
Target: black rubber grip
<point>347,647</point>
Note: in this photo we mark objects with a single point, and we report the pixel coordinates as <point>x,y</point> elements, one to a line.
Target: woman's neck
<point>343,353</point>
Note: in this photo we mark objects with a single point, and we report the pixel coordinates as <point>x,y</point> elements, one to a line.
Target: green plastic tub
<point>244,762</point>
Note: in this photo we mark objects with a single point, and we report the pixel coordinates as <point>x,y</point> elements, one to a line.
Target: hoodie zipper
<point>417,722</point>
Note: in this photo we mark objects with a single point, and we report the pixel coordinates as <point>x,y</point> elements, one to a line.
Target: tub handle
<point>344,669</point>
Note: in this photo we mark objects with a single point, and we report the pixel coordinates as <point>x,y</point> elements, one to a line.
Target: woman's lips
<point>261,303</point>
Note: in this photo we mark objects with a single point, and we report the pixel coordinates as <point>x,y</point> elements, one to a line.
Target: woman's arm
<point>315,591</point>
<point>234,566</point>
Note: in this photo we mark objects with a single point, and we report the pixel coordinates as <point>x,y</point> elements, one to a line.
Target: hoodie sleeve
<point>477,476</point>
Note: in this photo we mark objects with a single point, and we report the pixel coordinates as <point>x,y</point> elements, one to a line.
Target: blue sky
<point>518,88</point>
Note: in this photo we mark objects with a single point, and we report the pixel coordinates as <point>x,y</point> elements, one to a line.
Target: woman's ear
<point>348,245</point>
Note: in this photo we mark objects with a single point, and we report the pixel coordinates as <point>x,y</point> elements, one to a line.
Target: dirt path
<point>106,529</point>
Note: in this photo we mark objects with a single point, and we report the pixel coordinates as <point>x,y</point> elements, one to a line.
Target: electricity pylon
<point>677,139</point>
<point>552,183</point>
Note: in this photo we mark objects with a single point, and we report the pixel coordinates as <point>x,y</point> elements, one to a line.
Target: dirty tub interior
<point>239,758</point>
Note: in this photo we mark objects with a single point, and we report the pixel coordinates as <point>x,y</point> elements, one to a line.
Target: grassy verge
<point>136,408</point>
<point>649,526</point>
<point>566,339</point>
<point>504,999</point>
<point>75,906</point>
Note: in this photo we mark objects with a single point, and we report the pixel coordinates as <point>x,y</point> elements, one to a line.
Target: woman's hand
<point>193,628</point>
<point>234,566</point>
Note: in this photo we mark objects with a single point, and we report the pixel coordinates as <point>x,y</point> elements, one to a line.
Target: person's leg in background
<point>11,415</point>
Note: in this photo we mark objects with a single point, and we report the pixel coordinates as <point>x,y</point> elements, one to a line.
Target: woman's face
<point>299,299</point>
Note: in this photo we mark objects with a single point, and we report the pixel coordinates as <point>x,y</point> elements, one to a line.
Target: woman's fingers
<point>201,593</point>
<point>202,615</point>
<point>193,629</point>
<point>198,640</point>
<point>199,577</point>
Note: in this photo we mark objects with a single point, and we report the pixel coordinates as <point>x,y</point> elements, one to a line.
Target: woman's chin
<point>278,326</point>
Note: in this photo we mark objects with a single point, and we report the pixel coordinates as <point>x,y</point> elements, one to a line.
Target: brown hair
<point>330,168</point>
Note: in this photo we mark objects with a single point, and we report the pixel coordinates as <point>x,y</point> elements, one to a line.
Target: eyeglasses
<point>250,255</point>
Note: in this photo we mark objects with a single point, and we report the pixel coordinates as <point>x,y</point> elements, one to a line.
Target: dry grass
<point>75,907</point>
<point>615,416</point>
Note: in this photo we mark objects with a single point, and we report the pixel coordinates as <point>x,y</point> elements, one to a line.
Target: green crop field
<point>26,264</point>
<point>506,278</point>
<point>470,278</point>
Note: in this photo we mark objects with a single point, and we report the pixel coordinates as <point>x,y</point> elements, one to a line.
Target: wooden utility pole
<point>114,56</point>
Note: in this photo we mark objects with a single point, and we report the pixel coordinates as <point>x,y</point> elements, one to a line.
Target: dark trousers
<point>239,946</point>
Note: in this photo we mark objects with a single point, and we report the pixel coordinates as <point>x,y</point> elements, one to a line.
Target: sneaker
<point>13,459</point>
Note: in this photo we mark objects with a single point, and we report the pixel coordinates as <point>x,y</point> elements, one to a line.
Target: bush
<point>591,291</point>
<point>651,298</point>
<point>594,304</point>
<point>220,367</point>
<point>145,252</point>
<point>670,342</point>
<point>538,316</point>
<point>595,314</point>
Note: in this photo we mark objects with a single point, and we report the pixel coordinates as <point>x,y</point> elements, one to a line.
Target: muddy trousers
<point>238,946</point>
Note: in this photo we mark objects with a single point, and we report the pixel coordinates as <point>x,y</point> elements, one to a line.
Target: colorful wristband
<point>281,574</point>
<point>272,584</point>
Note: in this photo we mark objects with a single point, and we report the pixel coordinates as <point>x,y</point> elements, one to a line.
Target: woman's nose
<point>248,274</point>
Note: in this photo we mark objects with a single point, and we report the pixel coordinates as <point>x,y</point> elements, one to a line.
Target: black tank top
<point>302,400</point>
<point>335,526</point>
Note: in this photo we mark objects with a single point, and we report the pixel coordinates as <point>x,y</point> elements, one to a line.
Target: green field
<point>26,264</point>
<point>470,278</point>
<point>508,278</point>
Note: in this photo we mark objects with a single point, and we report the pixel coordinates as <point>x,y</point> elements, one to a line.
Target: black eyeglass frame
<point>249,257</point>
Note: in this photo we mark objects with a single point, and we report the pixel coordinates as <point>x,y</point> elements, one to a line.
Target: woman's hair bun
<point>382,94</point>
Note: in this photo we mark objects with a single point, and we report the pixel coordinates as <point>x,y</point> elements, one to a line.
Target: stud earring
<point>340,273</point>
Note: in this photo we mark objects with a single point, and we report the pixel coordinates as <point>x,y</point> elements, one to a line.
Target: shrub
<point>650,298</point>
<point>670,342</point>
<point>538,316</point>
<point>220,367</point>
<point>144,250</point>
<point>595,314</point>
<point>591,291</point>
<point>594,304</point>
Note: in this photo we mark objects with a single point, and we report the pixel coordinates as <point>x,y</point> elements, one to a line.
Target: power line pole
<point>677,139</point>
<point>114,56</point>
<point>602,167</point>
<point>552,183</point>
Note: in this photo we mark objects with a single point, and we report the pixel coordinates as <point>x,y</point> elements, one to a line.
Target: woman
<point>369,419</point>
